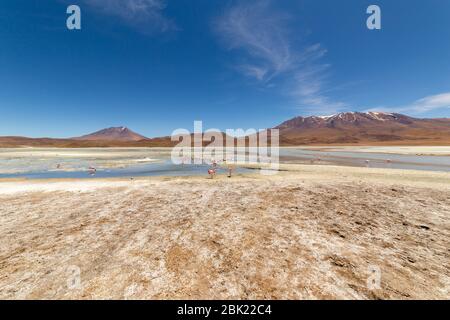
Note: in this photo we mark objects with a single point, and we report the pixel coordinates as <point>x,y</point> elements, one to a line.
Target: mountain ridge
<point>345,128</point>
<point>363,127</point>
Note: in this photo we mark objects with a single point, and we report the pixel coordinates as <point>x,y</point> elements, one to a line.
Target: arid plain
<point>309,232</point>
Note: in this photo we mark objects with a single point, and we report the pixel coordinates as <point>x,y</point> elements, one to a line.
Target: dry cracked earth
<point>288,237</point>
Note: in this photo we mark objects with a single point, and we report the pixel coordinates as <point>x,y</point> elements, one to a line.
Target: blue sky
<point>156,65</point>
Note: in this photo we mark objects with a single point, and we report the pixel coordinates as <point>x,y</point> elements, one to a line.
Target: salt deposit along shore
<point>309,232</point>
<point>412,150</point>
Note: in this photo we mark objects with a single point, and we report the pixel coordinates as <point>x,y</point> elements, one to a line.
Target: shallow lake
<point>367,159</point>
<point>135,162</point>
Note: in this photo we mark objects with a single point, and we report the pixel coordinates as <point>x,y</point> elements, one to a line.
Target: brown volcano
<point>113,134</point>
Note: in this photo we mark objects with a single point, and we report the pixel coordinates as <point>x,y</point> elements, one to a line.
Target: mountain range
<point>364,128</point>
<point>346,128</point>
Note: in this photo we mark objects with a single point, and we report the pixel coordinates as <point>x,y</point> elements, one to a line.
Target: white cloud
<point>432,102</point>
<point>429,103</point>
<point>145,15</point>
<point>257,72</point>
<point>263,35</point>
<point>251,28</point>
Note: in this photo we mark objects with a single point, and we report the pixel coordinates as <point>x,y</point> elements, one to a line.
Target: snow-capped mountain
<point>363,127</point>
<point>345,118</point>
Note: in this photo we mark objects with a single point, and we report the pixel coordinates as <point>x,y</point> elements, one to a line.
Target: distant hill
<point>23,142</point>
<point>364,128</point>
<point>112,134</point>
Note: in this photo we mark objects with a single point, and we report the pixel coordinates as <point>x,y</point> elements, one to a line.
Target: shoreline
<point>428,150</point>
<point>312,172</point>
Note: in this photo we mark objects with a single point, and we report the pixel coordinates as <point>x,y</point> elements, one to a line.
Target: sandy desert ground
<point>307,233</point>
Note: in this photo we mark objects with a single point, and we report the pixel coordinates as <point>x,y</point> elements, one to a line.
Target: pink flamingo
<point>212,173</point>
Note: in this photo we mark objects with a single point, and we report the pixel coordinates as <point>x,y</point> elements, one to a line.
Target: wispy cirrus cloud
<point>423,105</point>
<point>430,103</point>
<point>263,35</point>
<point>147,16</point>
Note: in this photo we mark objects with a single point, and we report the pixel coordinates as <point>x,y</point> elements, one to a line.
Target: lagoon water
<point>39,163</point>
<point>375,160</point>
